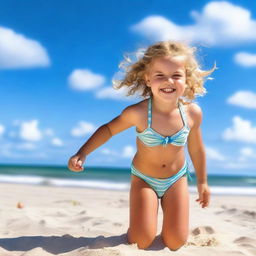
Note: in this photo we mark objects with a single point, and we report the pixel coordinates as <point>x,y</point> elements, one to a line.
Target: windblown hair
<point>135,71</point>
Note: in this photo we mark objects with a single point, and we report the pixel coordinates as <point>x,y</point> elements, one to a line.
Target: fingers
<point>204,199</point>
<point>75,164</point>
<point>79,163</point>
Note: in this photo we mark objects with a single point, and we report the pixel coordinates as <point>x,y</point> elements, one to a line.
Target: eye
<point>159,76</point>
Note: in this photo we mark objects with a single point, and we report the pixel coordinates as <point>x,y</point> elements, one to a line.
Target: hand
<point>75,163</point>
<point>204,194</point>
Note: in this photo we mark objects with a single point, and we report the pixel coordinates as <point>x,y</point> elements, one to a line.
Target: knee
<point>143,244</point>
<point>143,241</point>
<point>174,243</point>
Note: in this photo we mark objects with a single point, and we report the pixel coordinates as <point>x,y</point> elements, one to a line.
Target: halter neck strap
<point>181,109</point>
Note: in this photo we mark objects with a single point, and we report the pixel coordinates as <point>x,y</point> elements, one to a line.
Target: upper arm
<point>195,141</point>
<point>124,121</point>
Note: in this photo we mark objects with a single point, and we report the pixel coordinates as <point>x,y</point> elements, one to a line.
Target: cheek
<point>181,87</point>
<point>182,83</point>
<point>156,80</point>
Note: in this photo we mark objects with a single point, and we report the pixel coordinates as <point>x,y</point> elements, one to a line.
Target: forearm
<point>199,161</point>
<point>100,136</point>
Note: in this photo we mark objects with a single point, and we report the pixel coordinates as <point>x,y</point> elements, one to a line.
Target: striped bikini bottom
<point>161,185</point>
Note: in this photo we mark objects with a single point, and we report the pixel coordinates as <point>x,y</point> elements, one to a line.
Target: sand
<point>41,221</point>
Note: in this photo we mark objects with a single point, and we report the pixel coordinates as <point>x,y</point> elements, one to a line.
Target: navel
<point>163,165</point>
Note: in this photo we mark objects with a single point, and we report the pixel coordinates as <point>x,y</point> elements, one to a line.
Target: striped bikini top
<point>152,138</point>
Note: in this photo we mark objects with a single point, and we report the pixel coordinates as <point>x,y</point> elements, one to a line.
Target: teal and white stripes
<point>161,185</point>
<point>151,138</point>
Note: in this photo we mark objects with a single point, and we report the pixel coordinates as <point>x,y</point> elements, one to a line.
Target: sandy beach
<point>41,220</point>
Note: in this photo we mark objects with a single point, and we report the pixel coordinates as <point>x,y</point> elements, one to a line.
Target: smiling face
<point>166,77</point>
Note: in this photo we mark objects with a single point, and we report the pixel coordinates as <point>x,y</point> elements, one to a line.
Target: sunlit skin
<point>166,72</point>
<point>158,162</point>
<point>170,72</point>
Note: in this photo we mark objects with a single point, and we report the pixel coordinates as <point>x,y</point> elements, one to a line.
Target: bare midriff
<point>159,161</point>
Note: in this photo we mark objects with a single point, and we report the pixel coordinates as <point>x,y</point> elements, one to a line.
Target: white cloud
<point>213,154</point>
<point>20,151</point>
<point>245,99</point>
<point>2,129</point>
<point>245,59</point>
<point>235,165</point>
<point>247,153</point>
<point>242,130</point>
<point>84,79</point>
<point>18,51</point>
<point>82,129</point>
<point>29,131</point>
<point>128,152</point>
<point>219,23</point>
<point>57,142</point>
<point>158,28</point>
<point>109,152</point>
<point>111,93</point>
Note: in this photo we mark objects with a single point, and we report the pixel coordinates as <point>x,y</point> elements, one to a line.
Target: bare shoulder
<point>134,112</point>
<point>195,114</point>
<point>129,117</point>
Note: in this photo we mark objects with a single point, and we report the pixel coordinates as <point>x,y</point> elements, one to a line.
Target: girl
<point>169,78</point>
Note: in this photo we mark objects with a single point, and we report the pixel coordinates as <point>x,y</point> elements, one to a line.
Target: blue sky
<point>57,60</point>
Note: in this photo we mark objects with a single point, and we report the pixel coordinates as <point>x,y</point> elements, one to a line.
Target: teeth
<point>168,90</point>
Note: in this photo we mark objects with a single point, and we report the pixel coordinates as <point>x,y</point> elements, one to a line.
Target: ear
<point>147,81</point>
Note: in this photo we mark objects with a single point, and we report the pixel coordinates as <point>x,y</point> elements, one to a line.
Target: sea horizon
<point>113,178</point>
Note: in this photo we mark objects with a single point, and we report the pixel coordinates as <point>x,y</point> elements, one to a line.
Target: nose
<point>169,80</point>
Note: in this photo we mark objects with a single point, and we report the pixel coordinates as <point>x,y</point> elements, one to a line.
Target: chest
<point>166,125</point>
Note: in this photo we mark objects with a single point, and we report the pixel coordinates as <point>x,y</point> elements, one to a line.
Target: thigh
<point>175,205</point>
<point>143,210</point>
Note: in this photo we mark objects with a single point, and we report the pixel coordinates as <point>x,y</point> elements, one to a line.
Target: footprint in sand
<point>245,239</point>
<point>231,210</point>
<point>247,243</point>
<point>82,212</point>
<point>61,214</point>
<point>226,210</point>
<point>251,214</point>
<point>42,222</point>
<point>203,230</point>
<point>121,203</point>
<point>81,220</point>
<point>118,224</point>
<point>238,213</point>
<point>96,223</point>
<point>203,236</point>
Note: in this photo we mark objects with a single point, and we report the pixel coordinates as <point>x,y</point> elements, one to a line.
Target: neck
<point>164,107</point>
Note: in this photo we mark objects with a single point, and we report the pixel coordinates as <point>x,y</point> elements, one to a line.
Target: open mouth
<point>168,90</point>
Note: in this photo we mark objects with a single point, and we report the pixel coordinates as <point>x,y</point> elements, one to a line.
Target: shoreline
<point>68,221</point>
<point>114,186</point>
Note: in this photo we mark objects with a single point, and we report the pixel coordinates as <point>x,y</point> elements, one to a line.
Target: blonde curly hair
<point>135,71</point>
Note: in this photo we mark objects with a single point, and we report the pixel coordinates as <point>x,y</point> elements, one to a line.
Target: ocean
<point>114,179</point>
